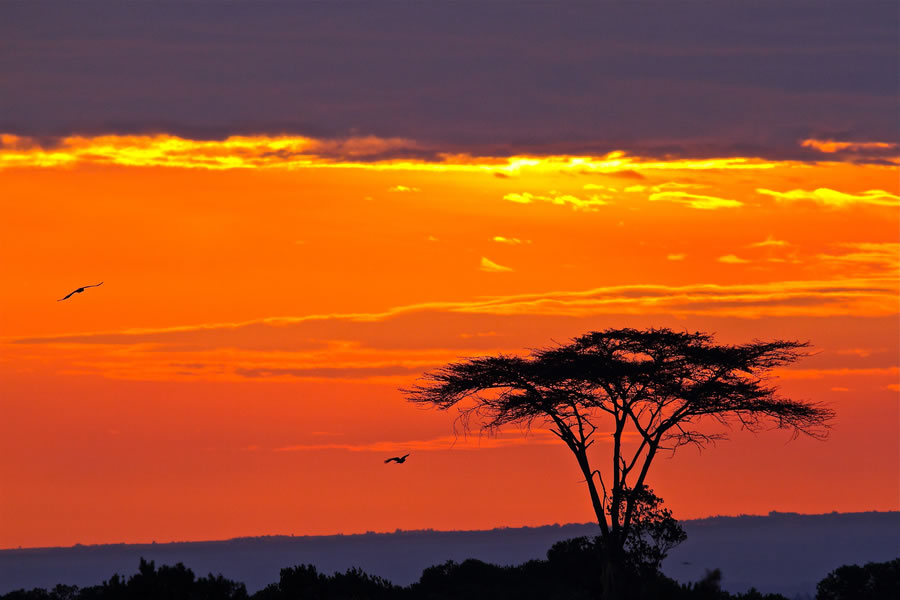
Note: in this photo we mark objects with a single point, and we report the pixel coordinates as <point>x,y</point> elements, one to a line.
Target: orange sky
<point>264,298</point>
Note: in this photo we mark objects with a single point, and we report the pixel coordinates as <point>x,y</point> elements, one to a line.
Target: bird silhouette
<point>397,459</point>
<point>79,290</point>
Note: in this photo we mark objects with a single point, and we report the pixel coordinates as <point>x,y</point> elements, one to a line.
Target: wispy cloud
<point>833,198</point>
<point>832,146</point>
<point>695,200</point>
<point>554,197</point>
<point>479,334</point>
<point>676,256</point>
<point>678,185</point>
<point>240,360</point>
<point>769,242</point>
<point>492,267</point>
<point>328,372</point>
<point>732,259</point>
<point>875,256</point>
<point>524,198</point>
<point>823,373</point>
<point>357,347</point>
<point>512,241</point>
<point>861,352</point>
<point>438,444</point>
<point>859,296</point>
<point>403,188</point>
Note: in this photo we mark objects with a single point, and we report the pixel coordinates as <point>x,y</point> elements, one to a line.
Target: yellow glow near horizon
<point>297,152</point>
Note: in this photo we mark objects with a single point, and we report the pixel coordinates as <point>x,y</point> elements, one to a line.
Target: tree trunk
<point>596,501</point>
<point>611,554</point>
<point>611,572</point>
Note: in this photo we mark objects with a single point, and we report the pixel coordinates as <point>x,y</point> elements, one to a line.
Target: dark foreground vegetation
<point>569,573</point>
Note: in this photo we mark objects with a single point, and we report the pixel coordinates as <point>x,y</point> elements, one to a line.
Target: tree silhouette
<point>869,582</point>
<point>649,390</point>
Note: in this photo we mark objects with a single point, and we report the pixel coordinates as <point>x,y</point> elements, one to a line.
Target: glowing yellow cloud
<point>695,200</point>
<point>492,267</point>
<point>525,198</point>
<point>513,241</point>
<point>676,256</point>
<point>298,152</point>
<point>834,198</point>
<point>677,185</point>
<point>769,242</point>
<point>555,197</point>
<point>732,259</point>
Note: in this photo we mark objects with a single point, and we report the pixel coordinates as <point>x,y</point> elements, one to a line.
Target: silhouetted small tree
<point>653,532</point>
<point>653,386</point>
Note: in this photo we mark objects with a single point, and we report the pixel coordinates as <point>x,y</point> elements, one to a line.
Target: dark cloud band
<point>685,78</point>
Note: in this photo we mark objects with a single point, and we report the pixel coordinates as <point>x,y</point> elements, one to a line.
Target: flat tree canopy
<point>647,390</point>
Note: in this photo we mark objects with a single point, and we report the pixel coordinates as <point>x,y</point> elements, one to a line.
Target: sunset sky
<point>297,210</point>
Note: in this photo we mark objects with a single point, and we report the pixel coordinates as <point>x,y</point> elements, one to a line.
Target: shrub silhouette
<point>149,583</point>
<point>570,572</point>
<point>304,582</point>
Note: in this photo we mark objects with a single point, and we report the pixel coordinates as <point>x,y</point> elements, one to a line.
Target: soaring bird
<point>397,459</point>
<point>79,290</point>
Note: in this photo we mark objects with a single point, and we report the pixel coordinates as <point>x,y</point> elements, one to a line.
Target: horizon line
<point>398,531</point>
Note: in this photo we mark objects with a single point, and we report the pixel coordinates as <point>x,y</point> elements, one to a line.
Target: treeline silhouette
<point>569,573</point>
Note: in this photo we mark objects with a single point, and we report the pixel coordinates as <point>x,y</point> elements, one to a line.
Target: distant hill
<point>786,553</point>
<point>782,552</point>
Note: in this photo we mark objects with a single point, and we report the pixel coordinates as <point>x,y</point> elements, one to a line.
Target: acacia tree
<point>648,390</point>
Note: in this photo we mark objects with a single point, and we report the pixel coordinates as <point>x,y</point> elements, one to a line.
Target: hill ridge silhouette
<point>399,531</point>
<point>780,552</point>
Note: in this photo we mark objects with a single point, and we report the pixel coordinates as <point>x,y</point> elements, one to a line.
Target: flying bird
<point>397,459</point>
<point>79,290</point>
